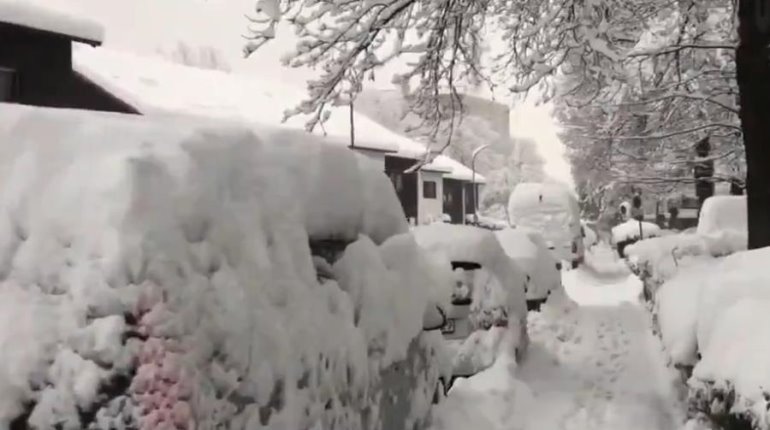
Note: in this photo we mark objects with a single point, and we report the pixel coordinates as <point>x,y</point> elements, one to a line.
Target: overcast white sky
<point>146,26</point>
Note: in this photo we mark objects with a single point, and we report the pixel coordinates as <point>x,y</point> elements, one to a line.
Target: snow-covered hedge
<point>158,274</point>
<point>714,315</point>
<point>658,259</point>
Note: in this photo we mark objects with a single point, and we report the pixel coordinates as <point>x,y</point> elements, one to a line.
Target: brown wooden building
<point>36,68</point>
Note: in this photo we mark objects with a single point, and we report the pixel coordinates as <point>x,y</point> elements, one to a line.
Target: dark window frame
<point>429,190</point>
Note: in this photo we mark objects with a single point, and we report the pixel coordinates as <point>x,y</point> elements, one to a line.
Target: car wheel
<point>575,264</point>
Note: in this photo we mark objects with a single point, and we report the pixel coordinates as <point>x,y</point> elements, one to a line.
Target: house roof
<point>40,15</point>
<point>155,86</point>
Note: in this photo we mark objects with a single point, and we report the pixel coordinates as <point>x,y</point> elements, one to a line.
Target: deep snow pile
<point>634,230</point>
<point>718,310</point>
<point>158,275</point>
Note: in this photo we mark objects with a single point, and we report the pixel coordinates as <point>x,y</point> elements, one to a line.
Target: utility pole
<point>352,127</point>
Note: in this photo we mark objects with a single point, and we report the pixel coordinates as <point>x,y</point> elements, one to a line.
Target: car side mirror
<point>434,318</point>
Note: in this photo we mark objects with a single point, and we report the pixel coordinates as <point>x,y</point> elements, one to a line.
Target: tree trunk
<point>753,74</point>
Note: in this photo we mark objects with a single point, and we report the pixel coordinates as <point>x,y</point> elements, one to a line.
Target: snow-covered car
<point>552,210</point>
<point>528,249</point>
<point>184,273</point>
<point>488,295</point>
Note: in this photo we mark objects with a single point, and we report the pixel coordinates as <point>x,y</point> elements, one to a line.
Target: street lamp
<point>473,181</point>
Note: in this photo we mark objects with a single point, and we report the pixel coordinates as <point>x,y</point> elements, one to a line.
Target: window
<point>429,189</point>
<point>7,84</point>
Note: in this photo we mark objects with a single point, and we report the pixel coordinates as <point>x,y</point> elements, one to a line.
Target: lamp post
<point>473,180</point>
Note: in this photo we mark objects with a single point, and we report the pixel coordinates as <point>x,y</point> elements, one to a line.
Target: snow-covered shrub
<point>676,310</point>
<point>717,310</point>
<point>158,274</point>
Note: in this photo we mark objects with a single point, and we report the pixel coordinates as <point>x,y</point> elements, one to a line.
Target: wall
<point>430,209</point>
<point>404,183</point>
<point>377,157</point>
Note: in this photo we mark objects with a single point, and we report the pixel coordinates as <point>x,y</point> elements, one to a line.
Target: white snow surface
<point>725,218</point>
<point>45,16</point>
<point>472,244</point>
<point>199,232</point>
<point>157,87</point>
<point>534,258</point>
<point>589,367</point>
<point>633,229</point>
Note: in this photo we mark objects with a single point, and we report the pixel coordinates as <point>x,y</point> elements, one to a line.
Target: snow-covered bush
<point>713,314</point>
<point>158,274</point>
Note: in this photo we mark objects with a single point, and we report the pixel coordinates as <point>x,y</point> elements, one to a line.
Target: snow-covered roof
<point>42,16</point>
<point>155,86</point>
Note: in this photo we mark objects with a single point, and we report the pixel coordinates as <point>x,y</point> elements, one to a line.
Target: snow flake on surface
<point>41,15</point>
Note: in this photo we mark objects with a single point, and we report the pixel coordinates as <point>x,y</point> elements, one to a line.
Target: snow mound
<point>677,307</point>
<point>41,15</point>
<point>158,274</point>
<point>634,230</point>
<point>723,213</point>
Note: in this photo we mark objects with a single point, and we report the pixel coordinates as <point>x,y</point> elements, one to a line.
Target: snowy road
<point>595,365</point>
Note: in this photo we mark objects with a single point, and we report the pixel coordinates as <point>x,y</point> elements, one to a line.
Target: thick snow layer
<point>472,244</point>
<point>550,209</point>
<point>738,357</point>
<point>42,15</point>
<point>741,275</point>
<point>633,229</point>
<point>723,213</point>
<point>534,258</point>
<point>677,305</point>
<point>167,263</point>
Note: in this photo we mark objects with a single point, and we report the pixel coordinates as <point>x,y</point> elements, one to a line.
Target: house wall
<point>44,75</point>
<point>404,183</point>
<point>453,203</point>
<point>430,209</point>
<point>469,196</point>
<point>378,157</point>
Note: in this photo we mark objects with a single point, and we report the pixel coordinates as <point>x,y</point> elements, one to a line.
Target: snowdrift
<point>158,274</point>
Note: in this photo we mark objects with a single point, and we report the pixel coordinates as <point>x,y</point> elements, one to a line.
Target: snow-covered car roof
<point>43,16</point>
<point>339,194</point>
